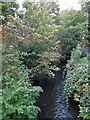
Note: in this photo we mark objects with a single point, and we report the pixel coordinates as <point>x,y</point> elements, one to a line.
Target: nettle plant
<point>19,95</point>
<point>76,81</point>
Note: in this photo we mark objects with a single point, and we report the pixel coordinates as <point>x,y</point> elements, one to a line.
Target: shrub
<point>18,100</point>
<point>18,93</point>
<point>77,83</point>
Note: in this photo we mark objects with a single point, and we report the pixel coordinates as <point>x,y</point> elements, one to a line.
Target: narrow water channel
<point>51,101</point>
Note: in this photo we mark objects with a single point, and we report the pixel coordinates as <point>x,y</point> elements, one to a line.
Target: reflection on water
<point>51,100</point>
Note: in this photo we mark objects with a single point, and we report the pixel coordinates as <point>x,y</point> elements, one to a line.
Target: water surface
<point>52,102</point>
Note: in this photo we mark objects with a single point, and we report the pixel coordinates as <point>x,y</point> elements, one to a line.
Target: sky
<point>67,4</point>
<point>64,4</point>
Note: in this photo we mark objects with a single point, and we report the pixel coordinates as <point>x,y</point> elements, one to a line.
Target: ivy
<point>77,83</point>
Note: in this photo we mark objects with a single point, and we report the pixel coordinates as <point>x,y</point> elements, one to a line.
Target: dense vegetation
<point>77,83</point>
<point>34,41</point>
<point>18,93</point>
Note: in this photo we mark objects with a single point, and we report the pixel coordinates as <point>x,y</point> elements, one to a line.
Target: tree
<point>85,6</point>
<point>8,8</point>
<point>73,29</point>
<point>40,42</point>
<point>53,8</point>
<point>35,38</point>
<point>71,17</point>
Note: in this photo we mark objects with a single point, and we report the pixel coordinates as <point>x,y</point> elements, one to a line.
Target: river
<point>51,101</point>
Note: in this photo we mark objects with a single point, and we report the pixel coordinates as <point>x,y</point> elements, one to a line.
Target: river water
<point>51,101</point>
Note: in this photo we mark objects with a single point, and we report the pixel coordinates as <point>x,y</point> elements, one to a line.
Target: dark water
<point>51,100</point>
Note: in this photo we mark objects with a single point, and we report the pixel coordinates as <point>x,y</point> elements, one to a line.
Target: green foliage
<point>71,17</point>
<point>85,7</point>
<point>77,83</point>
<point>35,47</point>
<point>18,100</point>
<point>73,29</point>
<point>8,8</point>
<point>18,93</point>
<point>53,9</point>
<point>71,36</point>
<point>36,14</point>
<point>12,32</point>
<point>32,49</point>
<point>44,11</point>
<point>40,48</point>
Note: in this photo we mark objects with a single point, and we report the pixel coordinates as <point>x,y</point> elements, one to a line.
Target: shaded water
<point>51,100</point>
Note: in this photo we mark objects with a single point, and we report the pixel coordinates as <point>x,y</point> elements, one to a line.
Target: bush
<point>77,83</point>
<point>18,100</point>
<point>18,93</point>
